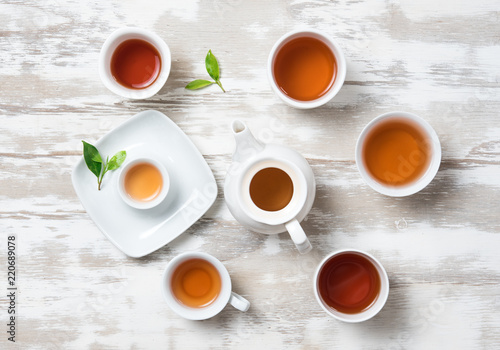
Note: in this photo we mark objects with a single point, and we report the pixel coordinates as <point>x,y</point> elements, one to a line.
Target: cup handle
<point>239,302</point>
<point>298,236</point>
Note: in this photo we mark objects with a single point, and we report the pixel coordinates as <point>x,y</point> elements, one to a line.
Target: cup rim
<point>158,199</point>
<point>372,310</point>
<point>110,45</point>
<point>415,186</point>
<point>196,313</point>
<point>337,52</point>
<point>271,217</point>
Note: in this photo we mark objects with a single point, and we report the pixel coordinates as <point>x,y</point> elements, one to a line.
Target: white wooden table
<point>438,59</point>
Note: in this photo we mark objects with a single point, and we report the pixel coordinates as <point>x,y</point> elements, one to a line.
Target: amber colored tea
<point>395,152</point>
<point>196,283</point>
<point>349,283</point>
<point>135,64</point>
<point>305,68</point>
<point>143,182</point>
<point>271,189</point>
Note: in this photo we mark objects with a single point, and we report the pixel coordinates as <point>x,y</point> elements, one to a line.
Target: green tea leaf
<point>117,160</point>
<point>95,163</point>
<point>198,84</point>
<point>97,158</point>
<point>213,70</point>
<point>92,158</point>
<point>212,65</point>
<point>220,85</point>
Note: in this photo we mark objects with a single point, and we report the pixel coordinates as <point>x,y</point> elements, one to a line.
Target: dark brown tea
<point>349,283</point>
<point>271,189</point>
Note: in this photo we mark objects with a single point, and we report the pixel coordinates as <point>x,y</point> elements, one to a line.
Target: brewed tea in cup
<point>274,192</point>
<point>134,63</point>
<point>306,68</point>
<point>143,183</point>
<point>197,286</point>
<point>351,285</point>
<point>398,154</point>
<point>271,189</point>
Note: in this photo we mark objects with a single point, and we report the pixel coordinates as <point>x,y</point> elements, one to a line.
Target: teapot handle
<point>298,236</point>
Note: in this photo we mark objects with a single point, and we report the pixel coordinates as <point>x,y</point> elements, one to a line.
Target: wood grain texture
<point>437,59</point>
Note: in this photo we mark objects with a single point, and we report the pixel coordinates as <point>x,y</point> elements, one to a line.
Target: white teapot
<point>269,188</point>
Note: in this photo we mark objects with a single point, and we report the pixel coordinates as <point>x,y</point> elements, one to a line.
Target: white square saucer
<point>192,191</point>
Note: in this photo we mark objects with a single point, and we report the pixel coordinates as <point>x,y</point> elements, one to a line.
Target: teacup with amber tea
<point>197,286</point>
<point>306,68</point>
<point>143,183</point>
<point>398,154</point>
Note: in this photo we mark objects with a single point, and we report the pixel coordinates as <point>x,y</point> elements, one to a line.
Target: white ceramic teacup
<point>340,61</point>
<point>143,204</point>
<point>431,146</point>
<point>202,313</point>
<point>109,47</point>
<point>286,216</point>
<point>374,308</point>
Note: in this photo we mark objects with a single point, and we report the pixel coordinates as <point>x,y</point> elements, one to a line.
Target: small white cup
<point>225,295</point>
<point>287,215</point>
<point>339,78</point>
<point>431,144</point>
<point>109,47</point>
<point>143,204</point>
<point>374,308</point>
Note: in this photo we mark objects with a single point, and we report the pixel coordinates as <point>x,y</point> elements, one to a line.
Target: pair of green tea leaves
<point>213,70</point>
<point>97,166</point>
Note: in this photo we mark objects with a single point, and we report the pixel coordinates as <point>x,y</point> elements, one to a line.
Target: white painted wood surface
<point>438,59</point>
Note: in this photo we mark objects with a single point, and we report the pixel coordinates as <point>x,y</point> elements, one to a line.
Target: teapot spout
<point>246,144</point>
